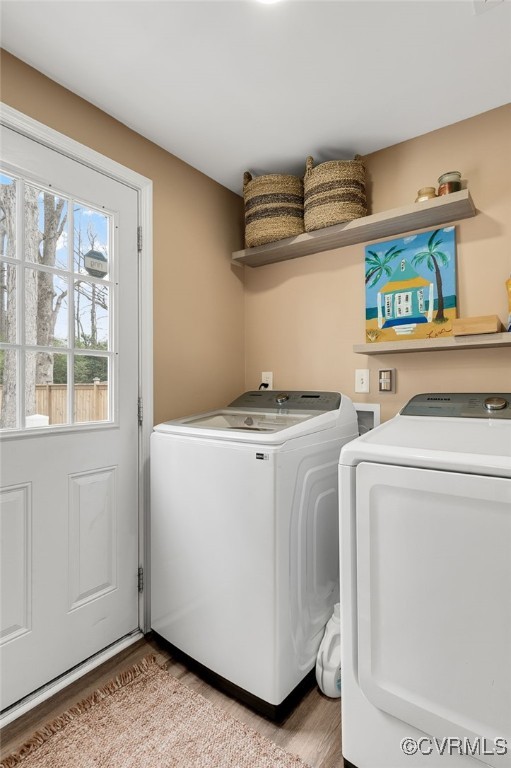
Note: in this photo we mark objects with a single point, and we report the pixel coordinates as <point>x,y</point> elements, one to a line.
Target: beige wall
<point>303,316</point>
<point>198,295</point>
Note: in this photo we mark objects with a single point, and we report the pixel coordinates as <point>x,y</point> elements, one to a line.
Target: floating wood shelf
<point>430,213</point>
<point>479,341</point>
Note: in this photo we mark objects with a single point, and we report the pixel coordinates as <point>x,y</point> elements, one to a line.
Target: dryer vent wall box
<point>425,536</point>
<point>368,415</point>
<point>245,564</point>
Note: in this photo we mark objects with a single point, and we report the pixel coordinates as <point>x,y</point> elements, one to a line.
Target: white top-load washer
<point>244,531</point>
<point>425,509</point>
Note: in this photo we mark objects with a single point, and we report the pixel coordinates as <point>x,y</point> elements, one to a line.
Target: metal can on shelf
<point>449,182</point>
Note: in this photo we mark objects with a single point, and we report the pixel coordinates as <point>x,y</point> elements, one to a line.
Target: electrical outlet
<point>267,378</point>
<point>362,380</point>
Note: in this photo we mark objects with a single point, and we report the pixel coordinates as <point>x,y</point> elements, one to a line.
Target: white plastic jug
<point>328,663</point>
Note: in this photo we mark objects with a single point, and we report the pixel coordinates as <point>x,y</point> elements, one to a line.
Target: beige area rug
<point>146,718</point>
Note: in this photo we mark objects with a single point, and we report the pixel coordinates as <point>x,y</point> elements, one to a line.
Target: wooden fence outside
<point>91,402</point>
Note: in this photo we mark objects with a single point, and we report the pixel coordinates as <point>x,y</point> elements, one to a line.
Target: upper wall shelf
<point>440,210</point>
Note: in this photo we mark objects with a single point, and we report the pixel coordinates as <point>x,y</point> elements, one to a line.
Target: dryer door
<point>434,607</point>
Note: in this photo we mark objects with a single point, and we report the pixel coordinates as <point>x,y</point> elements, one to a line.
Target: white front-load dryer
<point>425,507</point>
<point>244,532</point>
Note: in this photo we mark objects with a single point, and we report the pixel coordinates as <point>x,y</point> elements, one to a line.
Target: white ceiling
<point>235,85</point>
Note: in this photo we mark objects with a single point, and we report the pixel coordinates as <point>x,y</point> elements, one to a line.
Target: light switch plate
<point>362,380</point>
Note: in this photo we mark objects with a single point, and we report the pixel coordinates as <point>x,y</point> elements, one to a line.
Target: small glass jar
<point>425,193</point>
<point>449,182</point>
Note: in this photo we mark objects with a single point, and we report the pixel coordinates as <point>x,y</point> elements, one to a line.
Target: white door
<point>433,595</point>
<point>69,381</point>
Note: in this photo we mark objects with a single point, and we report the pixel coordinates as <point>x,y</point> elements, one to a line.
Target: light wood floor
<point>312,731</point>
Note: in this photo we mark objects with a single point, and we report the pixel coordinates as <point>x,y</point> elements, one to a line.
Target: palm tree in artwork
<point>377,264</point>
<point>434,258</point>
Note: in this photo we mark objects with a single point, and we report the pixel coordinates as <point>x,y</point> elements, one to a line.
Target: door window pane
<point>8,389</point>
<point>46,308</point>
<point>46,238</point>
<point>45,389</point>
<point>91,315</point>
<point>91,388</point>
<point>7,216</point>
<point>31,223</point>
<point>8,278</point>
<point>91,241</point>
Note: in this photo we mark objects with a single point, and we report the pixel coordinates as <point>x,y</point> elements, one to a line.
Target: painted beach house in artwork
<point>411,286</point>
<point>407,299</point>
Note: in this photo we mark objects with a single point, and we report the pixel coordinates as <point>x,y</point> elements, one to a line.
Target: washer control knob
<point>495,403</point>
<point>281,398</point>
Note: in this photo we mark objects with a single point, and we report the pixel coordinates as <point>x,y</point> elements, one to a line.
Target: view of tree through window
<point>54,308</point>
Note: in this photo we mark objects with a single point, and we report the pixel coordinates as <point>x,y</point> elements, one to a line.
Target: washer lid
<point>252,426</point>
<point>247,421</point>
<point>265,422</point>
<point>480,445</point>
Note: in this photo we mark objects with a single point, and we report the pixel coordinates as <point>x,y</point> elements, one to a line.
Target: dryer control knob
<point>281,398</point>
<point>495,403</point>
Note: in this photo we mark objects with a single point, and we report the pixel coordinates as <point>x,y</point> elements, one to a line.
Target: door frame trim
<point>43,134</point>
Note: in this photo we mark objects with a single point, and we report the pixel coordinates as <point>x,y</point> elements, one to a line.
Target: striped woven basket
<point>273,208</point>
<point>333,192</point>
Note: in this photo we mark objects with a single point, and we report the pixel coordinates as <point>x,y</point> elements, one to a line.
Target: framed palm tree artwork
<point>411,286</point>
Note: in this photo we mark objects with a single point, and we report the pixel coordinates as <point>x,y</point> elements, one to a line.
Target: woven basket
<point>273,208</point>
<point>333,192</point>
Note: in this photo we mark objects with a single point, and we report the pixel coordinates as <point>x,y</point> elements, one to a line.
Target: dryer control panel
<point>269,399</point>
<point>475,405</point>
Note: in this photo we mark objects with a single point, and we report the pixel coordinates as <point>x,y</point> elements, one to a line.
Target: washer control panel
<point>476,405</point>
<point>269,399</point>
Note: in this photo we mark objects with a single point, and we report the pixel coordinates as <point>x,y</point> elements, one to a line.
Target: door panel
<point>69,512</point>
<point>92,545</point>
<point>433,586</point>
<point>16,562</point>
